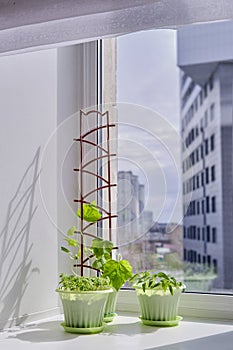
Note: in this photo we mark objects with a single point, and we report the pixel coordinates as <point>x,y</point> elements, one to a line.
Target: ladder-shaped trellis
<point>102,182</point>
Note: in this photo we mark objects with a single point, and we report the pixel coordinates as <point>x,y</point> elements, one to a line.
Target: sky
<point>149,141</point>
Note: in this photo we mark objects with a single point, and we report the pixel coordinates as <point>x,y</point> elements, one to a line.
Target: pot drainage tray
<point>162,323</point>
<point>91,330</point>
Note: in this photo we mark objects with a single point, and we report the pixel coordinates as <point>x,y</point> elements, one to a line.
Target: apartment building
<point>205,57</point>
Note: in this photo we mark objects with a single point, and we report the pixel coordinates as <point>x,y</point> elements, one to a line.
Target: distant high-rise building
<point>133,221</point>
<point>205,56</point>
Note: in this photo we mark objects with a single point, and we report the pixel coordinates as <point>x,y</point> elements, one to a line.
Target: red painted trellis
<point>105,153</point>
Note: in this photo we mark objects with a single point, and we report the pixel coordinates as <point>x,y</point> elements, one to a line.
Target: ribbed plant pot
<point>110,308</point>
<point>84,311</point>
<point>157,305</point>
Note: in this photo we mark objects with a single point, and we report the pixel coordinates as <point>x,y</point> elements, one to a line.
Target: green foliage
<point>81,283</point>
<point>99,256</point>
<point>71,231</point>
<point>71,242</point>
<point>118,272</point>
<point>101,248</point>
<point>65,250</point>
<point>147,280</point>
<point>90,212</point>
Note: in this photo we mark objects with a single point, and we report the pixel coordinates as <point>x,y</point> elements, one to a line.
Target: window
<point>202,151</point>
<point>203,206</point>
<point>208,233</point>
<point>215,262</point>
<point>197,179</point>
<point>197,155</point>
<point>206,147</point>
<point>213,204</point>
<point>198,234</point>
<point>194,256</point>
<point>215,265</point>
<point>205,90</point>
<point>211,83</point>
<point>213,173</point>
<point>207,204</point>
<point>198,207</point>
<point>212,112</point>
<point>202,178</point>
<point>203,234</point>
<point>206,118</point>
<point>207,175</point>
<point>201,98</point>
<point>194,232</point>
<point>212,142</point>
<point>197,145</point>
<point>201,124</point>
<point>214,235</point>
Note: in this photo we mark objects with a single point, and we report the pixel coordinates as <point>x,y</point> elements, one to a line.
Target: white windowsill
<point>125,332</point>
<point>207,324</point>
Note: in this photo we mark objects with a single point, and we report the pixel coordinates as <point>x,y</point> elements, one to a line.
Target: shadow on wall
<point>15,247</point>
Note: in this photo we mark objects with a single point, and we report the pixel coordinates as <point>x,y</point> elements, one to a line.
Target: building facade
<point>205,57</point>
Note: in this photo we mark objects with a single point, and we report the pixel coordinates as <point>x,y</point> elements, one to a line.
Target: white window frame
<point>38,35</point>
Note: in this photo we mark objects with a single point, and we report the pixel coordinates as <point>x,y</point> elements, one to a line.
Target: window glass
<point>190,93</point>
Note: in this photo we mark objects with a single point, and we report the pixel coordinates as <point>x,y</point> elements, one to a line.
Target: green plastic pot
<point>84,310</point>
<point>110,308</point>
<point>157,305</point>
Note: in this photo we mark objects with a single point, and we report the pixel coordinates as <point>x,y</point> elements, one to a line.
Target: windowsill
<point>125,332</point>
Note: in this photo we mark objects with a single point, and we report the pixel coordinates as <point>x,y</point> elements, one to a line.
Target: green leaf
<point>71,242</point>
<point>64,249</point>
<point>163,275</point>
<point>118,272</point>
<point>171,289</point>
<point>99,264</point>
<point>101,248</point>
<point>90,212</point>
<point>71,231</point>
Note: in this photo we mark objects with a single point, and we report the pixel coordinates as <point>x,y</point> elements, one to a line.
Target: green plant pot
<point>84,310</point>
<point>110,308</point>
<point>157,305</point>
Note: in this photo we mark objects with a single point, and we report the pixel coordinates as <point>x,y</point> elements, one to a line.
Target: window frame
<point>192,304</point>
<point>201,305</point>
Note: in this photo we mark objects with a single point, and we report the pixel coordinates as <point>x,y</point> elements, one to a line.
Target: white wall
<point>28,239</point>
<point>40,97</point>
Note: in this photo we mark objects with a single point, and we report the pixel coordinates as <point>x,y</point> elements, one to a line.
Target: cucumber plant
<point>99,254</point>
